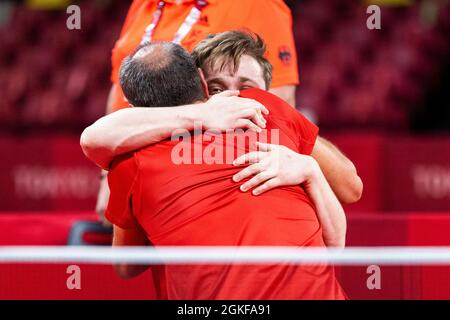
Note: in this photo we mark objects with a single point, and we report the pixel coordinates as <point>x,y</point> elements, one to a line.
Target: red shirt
<point>199,204</point>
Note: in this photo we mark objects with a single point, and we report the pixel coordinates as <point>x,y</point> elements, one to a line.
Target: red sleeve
<point>122,178</point>
<point>307,133</point>
<point>300,130</point>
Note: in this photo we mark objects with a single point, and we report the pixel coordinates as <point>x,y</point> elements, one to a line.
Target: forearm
<point>329,210</point>
<point>123,238</point>
<point>339,171</point>
<point>127,271</point>
<point>133,128</point>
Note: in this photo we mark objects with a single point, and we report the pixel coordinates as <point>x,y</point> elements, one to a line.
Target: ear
<point>203,82</point>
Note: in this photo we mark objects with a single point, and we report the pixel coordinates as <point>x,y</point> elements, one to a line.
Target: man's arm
<point>276,165</point>
<point>339,171</point>
<point>133,128</point>
<point>103,191</point>
<point>126,229</point>
<point>329,210</point>
<point>129,237</point>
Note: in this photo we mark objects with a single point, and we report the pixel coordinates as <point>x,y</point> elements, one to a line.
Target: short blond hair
<point>230,46</point>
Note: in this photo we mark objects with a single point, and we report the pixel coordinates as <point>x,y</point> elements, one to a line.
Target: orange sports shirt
<point>271,19</point>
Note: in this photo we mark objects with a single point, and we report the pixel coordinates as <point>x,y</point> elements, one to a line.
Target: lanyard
<point>185,27</point>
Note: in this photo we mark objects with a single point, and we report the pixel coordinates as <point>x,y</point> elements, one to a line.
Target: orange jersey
<point>198,204</point>
<point>271,19</point>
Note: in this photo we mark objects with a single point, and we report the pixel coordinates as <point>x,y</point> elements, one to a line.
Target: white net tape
<point>221,255</point>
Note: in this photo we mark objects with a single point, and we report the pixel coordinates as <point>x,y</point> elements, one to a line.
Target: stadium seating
<point>350,75</point>
<point>52,75</point>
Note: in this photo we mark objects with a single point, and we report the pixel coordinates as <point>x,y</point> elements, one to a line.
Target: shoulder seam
<point>133,184</point>
<point>288,134</point>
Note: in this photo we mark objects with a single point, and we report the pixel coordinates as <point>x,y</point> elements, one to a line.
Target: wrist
<point>190,115</point>
<point>103,174</point>
<point>313,172</point>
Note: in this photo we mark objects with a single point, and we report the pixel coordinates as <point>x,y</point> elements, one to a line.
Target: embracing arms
<point>339,171</point>
<point>129,237</point>
<point>133,128</point>
<point>276,165</point>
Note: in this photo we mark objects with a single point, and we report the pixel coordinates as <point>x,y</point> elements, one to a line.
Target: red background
<point>399,173</point>
<point>406,201</point>
<point>48,281</point>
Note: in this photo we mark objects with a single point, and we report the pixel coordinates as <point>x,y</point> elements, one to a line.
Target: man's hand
<point>130,129</point>
<point>276,165</point>
<point>273,166</point>
<point>102,200</point>
<point>228,111</point>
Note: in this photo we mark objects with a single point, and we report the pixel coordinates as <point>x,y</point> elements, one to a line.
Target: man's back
<point>182,193</point>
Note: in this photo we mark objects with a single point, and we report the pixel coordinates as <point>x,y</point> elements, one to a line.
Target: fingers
<point>255,104</point>
<point>247,172</point>
<point>266,147</point>
<point>249,109</point>
<point>256,180</point>
<point>251,157</point>
<point>228,93</point>
<point>245,123</point>
<point>255,116</point>
<point>266,186</point>
<point>259,117</point>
